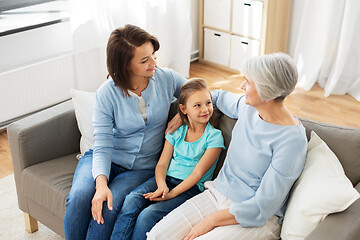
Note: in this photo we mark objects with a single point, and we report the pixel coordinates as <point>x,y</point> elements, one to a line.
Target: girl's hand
<point>199,229</point>
<point>168,196</point>
<point>161,192</point>
<point>174,124</point>
<point>102,194</point>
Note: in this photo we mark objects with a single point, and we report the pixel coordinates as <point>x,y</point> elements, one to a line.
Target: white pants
<point>178,223</point>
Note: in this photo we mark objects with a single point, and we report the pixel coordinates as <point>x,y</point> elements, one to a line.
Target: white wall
<point>194,17</point>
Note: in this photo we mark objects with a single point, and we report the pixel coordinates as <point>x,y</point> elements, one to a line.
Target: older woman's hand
<point>199,229</point>
<point>216,219</point>
<point>174,124</point>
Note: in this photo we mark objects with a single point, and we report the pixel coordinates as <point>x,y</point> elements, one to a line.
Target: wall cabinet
<point>217,46</point>
<point>232,31</point>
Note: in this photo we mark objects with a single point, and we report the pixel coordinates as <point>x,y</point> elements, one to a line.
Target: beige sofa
<point>44,148</point>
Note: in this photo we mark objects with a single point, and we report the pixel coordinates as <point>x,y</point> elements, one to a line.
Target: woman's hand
<point>161,193</point>
<point>174,124</point>
<point>199,229</point>
<point>216,219</point>
<point>102,194</point>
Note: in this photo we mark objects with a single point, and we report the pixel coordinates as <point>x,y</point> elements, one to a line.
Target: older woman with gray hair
<point>266,155</point>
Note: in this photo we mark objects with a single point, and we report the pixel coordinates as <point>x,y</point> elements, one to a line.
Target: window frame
<point>6,5</point>
<point>11,8</point>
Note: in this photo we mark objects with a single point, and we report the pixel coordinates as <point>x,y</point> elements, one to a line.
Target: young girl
<point>187,161</point>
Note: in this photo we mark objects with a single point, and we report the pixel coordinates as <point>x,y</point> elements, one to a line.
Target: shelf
<point>262,24</point>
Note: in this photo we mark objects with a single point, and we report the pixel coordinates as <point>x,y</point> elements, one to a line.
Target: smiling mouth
<point>151,69</point>
<point>204,116</point>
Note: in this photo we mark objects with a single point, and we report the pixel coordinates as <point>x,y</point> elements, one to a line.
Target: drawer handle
<point>245,43</point>
<point>247,4</point>
<point>218,35</point>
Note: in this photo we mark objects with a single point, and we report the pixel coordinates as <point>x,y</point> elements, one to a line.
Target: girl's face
<point>198,107</point>
<point>143,63</point>
<point>251,95</point>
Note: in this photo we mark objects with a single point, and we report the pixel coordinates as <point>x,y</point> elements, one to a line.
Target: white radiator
<point>34,87</point>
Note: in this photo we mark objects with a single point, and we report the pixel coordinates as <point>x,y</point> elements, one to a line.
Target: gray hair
<point>275,75</point>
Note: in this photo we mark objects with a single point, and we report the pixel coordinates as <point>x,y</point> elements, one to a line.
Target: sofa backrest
<point>225,124</point>
<point>343,141</point>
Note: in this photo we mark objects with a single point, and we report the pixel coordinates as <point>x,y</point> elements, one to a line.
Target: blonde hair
<point>191,86</point>
<point>275,75</point>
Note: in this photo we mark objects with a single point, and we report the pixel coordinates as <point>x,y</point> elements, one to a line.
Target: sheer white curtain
<point>328,46</point>
<point>93,20</point>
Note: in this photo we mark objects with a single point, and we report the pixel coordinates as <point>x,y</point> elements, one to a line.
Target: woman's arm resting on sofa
<point>227,102</point>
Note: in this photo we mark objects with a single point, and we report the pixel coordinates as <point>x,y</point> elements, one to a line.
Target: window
<point>6,5</point>
<point>22,15</point>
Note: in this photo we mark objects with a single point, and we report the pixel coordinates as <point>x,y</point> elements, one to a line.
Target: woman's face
<point>251,95</point>
<point>142,65</point>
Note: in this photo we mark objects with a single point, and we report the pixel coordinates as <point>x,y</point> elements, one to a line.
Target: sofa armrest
<point>43,136</point>
<point>344,225</point>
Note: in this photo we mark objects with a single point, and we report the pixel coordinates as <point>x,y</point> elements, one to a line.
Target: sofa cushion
<point>343,141</point>
<point>83,104</point>
<point>49,183</point>
<point>321,189</point>
<point>343,225</point>
<point>226,125</point>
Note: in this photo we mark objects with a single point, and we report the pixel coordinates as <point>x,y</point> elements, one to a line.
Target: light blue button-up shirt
<point>121,135</point>
<point>262,163</point>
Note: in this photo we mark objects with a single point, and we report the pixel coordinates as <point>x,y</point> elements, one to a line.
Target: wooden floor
<point>6,167</point>
<point>340,110</point>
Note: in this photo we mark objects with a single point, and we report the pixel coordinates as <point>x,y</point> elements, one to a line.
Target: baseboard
<point>194,56</point>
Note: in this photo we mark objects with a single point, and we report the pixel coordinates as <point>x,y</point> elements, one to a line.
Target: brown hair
<point>190,87</point>
<point>120,50</point>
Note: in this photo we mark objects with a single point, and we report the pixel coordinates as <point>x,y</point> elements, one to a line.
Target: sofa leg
<point>31,224</point>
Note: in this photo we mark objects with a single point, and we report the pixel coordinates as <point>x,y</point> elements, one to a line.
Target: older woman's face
<point>251,95</point>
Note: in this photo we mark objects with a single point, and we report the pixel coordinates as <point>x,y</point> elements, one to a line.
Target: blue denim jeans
<point>138,215</point>
<point>78,222</point>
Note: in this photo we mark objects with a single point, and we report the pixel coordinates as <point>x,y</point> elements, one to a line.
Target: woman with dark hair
<point>130,115</point>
